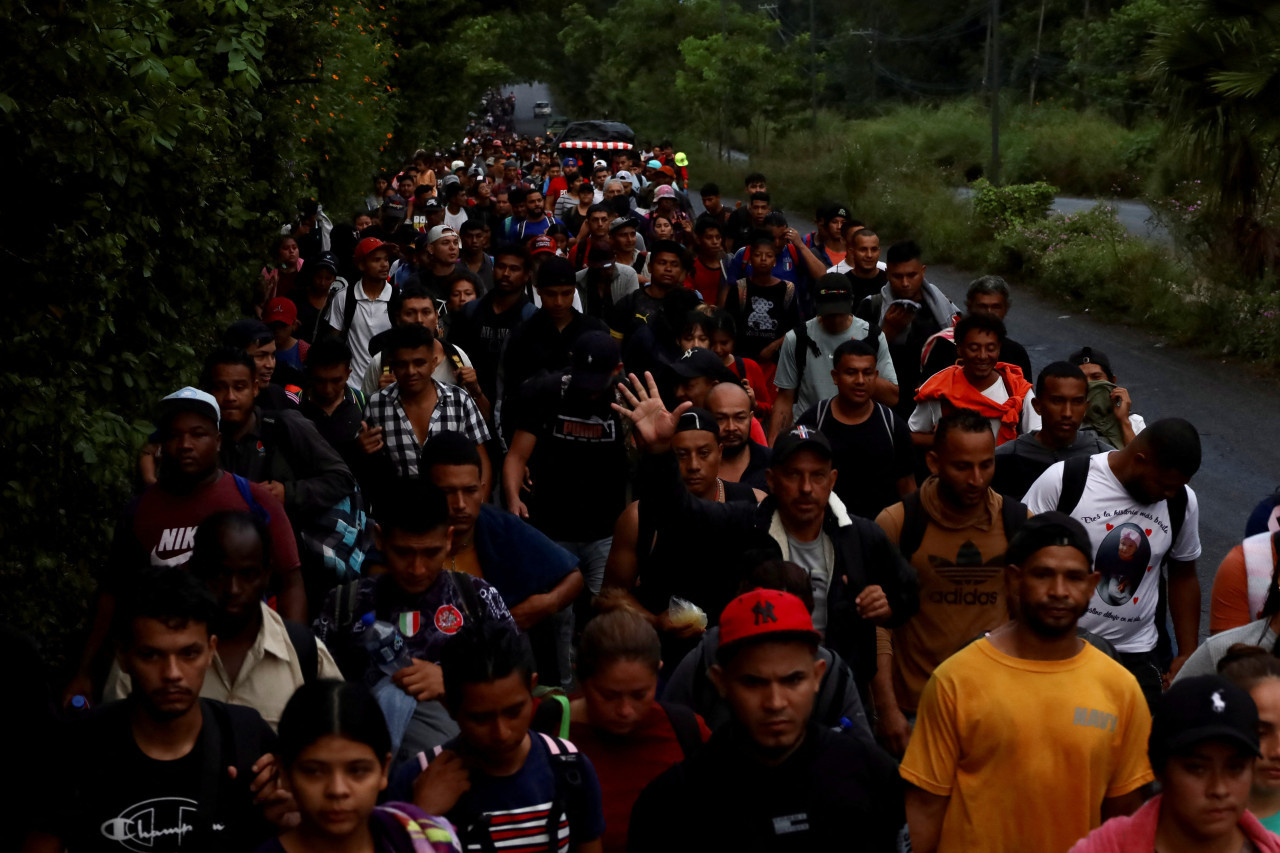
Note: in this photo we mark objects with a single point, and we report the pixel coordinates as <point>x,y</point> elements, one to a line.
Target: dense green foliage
<point>154,149</point>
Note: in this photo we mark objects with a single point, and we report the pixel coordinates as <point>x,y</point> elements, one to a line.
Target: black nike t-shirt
<point>119,799</point>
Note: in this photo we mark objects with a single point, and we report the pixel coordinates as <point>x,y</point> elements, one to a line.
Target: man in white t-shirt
<point>835,324</point>
<point>1139,511</point>
<point>455,212</point>
<point>372,296</point>
<point>980,382</point>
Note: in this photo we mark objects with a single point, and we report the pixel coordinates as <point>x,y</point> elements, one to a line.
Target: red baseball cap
<point>542,244</point>
<point>762,612</point>
<point>367,245</point>
<point>280,310</point>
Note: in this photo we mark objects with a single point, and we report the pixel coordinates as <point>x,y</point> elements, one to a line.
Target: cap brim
<point>169,408</point>
<point>834,306</point>
<point>780,635</point>
<point>589,381</point>
<point>1191,737</point>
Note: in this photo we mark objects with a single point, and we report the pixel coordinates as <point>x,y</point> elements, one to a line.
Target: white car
<point>541,108</point>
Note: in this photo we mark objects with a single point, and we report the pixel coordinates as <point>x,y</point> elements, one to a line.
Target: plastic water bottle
<point>79,703</point>
<point>385,644</point>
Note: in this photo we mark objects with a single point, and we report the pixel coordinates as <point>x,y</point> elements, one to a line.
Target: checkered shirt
<point>455,412</point>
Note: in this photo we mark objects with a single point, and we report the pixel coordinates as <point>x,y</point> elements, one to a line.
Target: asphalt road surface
<point>1234,407</point>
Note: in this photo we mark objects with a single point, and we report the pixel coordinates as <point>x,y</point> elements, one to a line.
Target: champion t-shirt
<point>1129,541</point>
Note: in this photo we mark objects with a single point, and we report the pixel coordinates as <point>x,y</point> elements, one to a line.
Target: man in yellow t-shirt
<point>1030,737</point>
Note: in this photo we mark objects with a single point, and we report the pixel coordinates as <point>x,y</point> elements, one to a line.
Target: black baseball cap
<point>1089,355</point>
<point>696,419</point>
<point>1045,531</point>
<point>393,207</point>
<point>831,210</point>
<point>797,439</point>
<point>242,333</point>
<point>595,359</point>
<point>1198,709</point>
<point>700,361</point>
<point>555,272</point>
<point>833,294</point>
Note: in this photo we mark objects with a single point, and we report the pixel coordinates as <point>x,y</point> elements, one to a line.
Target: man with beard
<point>261,659</point>
<point>158,527</point>
<point>1073,745</point>
<point>166,770</point>
<point>954,531</point>
<point>742,460</point>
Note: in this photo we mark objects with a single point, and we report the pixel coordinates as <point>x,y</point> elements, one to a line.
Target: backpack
<point>566,766</point>
<point>257,510</point>
<point>914,521</point>
<point>805,344</point>
<point>348,307</point>
<point>886,418</point>
<point>344,601</point>
<point>304,644</point>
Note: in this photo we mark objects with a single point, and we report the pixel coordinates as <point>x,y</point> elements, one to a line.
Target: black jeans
<point>1146,669</point>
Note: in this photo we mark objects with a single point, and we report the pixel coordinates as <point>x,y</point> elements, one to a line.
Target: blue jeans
<point>591,559</point>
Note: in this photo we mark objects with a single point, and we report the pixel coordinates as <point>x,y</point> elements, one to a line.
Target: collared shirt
<point>372,316</point>
<point>455,411</point>
<point>271,672</point>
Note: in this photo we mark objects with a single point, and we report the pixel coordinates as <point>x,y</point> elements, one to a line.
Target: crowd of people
<point>537,507</point>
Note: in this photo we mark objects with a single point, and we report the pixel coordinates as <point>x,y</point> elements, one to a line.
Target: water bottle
<point>79,703</point>
<point>385,644</point>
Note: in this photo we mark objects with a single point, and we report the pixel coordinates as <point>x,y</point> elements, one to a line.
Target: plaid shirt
<point>455,412</point>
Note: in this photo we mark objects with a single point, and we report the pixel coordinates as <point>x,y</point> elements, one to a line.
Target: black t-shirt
<point>737,229</point>
<point>579,466</point>
<point>870,457</point>
<point>115,798</point>
<point>864,287</point>
<point>768,314</point>
<point>833,793</point>
<point>633,312</point>
<point>308,315</point>
<point>483,334</point>
<point>681,559</point>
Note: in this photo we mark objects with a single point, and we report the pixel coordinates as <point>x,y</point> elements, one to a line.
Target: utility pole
<point>1035,61</point>
<point>995,93</point>
<point>813,69</point>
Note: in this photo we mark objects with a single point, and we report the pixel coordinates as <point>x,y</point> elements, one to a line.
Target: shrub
<point>1011,205</point>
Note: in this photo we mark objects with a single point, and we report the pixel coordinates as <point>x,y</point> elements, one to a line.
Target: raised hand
<point>652,423</point>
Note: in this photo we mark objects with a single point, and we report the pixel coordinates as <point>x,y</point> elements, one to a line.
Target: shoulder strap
<point>256,509</point>
<point>804,344</point>
<point>566,765</point>
<point>742,294</point>
<point>740,366</point>
<point>349,310</point>
<point>1177,517</point>
<point>684,722</point>
<point>886,418</point>
<point>1075,474</point>
<point>824,406</point>
<point>304,644</point>
<point>1013,515</point>
<point>345,605</point>
<point>914,521</point>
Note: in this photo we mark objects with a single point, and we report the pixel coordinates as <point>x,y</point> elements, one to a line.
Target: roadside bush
<point>1011,205</point>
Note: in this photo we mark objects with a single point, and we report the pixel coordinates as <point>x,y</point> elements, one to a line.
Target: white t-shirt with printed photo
<point>1129,541</point>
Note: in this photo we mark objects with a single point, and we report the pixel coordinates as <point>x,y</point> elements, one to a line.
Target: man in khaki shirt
<point>956,541</point>
<point>256,663</point>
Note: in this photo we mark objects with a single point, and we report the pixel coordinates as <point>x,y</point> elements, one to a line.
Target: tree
<point>1219,71</point>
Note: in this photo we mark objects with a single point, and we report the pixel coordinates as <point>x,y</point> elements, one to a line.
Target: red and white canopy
<point>605,146</point>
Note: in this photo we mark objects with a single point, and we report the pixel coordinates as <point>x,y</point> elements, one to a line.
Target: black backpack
<point>915,520</point>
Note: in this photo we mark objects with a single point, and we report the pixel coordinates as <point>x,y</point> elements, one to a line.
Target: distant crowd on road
<point>536,509</point>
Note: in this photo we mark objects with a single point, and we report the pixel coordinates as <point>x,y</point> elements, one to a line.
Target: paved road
<point>1234,409</point>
